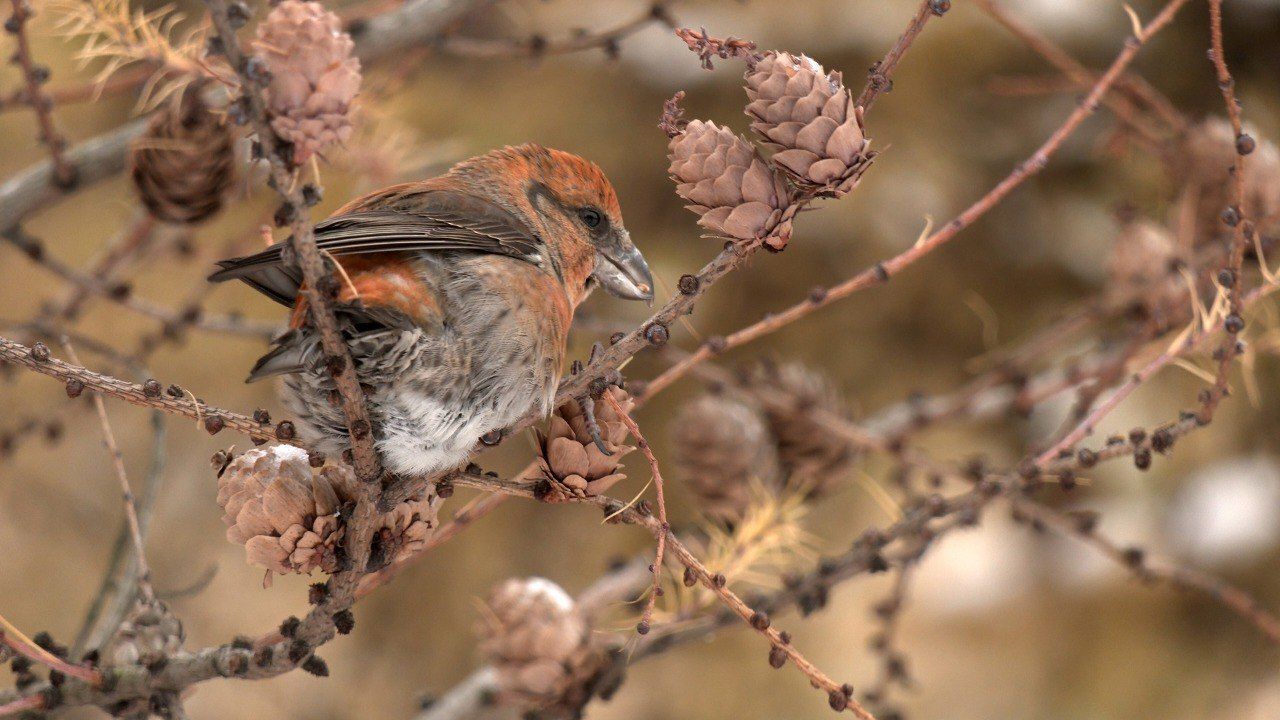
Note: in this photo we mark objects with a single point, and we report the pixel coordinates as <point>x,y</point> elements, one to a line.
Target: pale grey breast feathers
<point>434,391</point>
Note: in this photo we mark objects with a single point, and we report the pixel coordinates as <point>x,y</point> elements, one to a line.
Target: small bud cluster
<point>708,47</point>
<point>148,635</point>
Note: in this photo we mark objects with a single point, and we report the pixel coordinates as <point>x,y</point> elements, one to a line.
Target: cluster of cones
<point>185,163</point>
<point>811,144</point>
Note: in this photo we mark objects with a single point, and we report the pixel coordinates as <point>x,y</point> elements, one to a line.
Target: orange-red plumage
<point>377,281</point>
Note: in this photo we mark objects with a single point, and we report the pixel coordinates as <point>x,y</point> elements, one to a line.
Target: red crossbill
<point>456,298</point>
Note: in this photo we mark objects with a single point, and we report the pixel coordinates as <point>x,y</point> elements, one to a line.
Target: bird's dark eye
<point>590,217</point>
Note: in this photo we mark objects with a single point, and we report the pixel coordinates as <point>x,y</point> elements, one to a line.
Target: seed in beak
<point>643,287</point>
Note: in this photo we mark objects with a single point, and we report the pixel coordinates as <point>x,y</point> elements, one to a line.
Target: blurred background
<point>1003,623</point>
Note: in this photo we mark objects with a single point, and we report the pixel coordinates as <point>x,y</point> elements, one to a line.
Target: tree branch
<point>880,77</point>
<point>175,400</point>
<point>882,271</point>
<point>64,173</point>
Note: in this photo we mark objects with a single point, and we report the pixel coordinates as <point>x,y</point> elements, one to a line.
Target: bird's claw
<point>597,388</point>
<point>588,404</point>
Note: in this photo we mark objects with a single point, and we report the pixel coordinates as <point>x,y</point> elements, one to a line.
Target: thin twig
<point>646,617</point>
<point>1082,77</point>
<point>118,588</point>
<point>1230,277</point>
<point>125,248</point>
<point>64,173</point>
<point>885,642</point>
<point>98,284</point>
<point>319,625</point>
<point>123,81</point>
<point>838,694</point>
<point>130,507</point>
<point>31,702</point>
<point>537,46</point>
<point>1191,341</point>
<point>880,78</point>
<point>15,640</point>
<point>1154,569</point>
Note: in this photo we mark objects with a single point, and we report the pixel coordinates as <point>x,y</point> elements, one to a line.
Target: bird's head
<point>575,210</point>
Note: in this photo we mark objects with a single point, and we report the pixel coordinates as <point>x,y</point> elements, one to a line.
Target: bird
<point>456,295</point>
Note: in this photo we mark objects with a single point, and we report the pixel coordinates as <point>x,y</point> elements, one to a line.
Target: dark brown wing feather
<point>432,221</point>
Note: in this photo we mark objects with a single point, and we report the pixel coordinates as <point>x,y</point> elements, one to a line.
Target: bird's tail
<point>272,280</point>
<point>285,358</point>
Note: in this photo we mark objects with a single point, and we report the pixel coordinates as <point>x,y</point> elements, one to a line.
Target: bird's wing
<point>426,222</point>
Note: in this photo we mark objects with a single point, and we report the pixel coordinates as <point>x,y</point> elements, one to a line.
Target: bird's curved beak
<point>622,271</point>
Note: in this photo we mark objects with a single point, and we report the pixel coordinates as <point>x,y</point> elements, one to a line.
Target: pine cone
<point>541,645</point>
<point>1209,151</point>
<point>185,162</point>
<point>313,76</point>
<point>722,445</point>
<point>730,186</point>
<point>1143,266</point>
<point>285,515</point>
<point>811,456</point>
<point>285,512</point>
<point>568,458</point>
<point>149,633</point>
<point>808,119</point>
<point>406,529</point>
